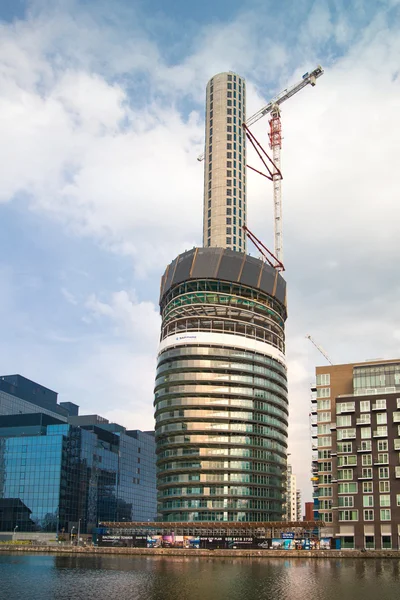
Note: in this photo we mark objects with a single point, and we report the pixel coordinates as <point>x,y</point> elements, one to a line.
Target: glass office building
<point>19,395</point>
<point>54,475</point>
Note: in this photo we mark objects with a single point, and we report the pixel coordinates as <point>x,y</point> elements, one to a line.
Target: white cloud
<point>138,321</point>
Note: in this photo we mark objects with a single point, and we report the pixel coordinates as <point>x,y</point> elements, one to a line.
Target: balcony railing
<point>379,406</point>
<point>364,420</point>
<point>377,433</point>
<point>378,461</point>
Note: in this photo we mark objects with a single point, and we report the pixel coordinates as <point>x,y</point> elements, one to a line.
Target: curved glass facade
<point>221,403</point>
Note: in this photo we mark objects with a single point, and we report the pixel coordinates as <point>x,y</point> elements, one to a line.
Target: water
<point>47,577</point>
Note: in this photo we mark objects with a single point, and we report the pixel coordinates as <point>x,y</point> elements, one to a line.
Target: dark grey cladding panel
<point>168,279</point>
<point>230,265</point>
<point>280,293</point>
<point>267,282</point>
<point>183,267</point>
<point>223,264</point>
<point>206,262</point>
<point>251,271</point>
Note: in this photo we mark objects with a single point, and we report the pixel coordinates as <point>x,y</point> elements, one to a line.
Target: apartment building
<point>356,451</point>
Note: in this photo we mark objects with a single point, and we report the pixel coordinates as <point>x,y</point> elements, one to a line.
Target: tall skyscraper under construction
<point>221,404</point>
<point>224,160</point>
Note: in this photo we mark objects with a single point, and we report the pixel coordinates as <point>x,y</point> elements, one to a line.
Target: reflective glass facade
<point>53,475</point>
<point>221,400</point>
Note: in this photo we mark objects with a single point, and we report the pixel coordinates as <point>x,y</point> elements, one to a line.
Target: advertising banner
<point>127,541</point>
<point>154,541</point>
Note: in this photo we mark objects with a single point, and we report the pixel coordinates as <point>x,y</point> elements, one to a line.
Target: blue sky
<point>101,121</point>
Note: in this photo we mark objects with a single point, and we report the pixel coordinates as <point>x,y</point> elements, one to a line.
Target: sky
<point>101,121</point>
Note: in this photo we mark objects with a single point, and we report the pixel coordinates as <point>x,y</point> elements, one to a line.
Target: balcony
<point>378,433</point>
<point>333,453</point>
<point>379,405</point>
<point>363,449</point>
<point>345,407</point>
<point>380,462</point>
<point>364,420</point>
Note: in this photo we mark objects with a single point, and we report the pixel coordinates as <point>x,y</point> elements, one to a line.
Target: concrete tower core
<point>225,160</point>
<point>221,404</point>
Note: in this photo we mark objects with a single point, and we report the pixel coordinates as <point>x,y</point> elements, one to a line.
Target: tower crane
<point>275,141</point>
<point>324,354</point>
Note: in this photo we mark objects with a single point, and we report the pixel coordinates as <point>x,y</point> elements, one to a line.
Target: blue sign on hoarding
<point>288,535</point>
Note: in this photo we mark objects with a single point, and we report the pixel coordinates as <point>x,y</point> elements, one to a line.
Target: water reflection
<point>30,577</point>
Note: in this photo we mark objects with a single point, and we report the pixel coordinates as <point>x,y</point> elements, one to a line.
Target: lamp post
<point>72,533</point>
<point>79,532</point>
<point>15,529</point>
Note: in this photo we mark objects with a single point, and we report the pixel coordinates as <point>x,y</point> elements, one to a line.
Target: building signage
<point>289,535</point>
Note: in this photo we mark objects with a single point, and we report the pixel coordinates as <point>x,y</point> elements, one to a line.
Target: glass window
<point>343,421</point>
<point>365,406</point>
<point>368,487</point>
<point>346,434</point>
<point>348,515</point>
<point>324,392</point>
<point>346,501</point>
<point>381,418</point>
<point>325,441</point>
<point>323,379</point>
<point>342,407</point>
<point>345,473</point>
<point>366,460</point>
<point>364,419</point>
<point>382,445</point>
<point>344,461</point>
<point>379,405</point>
<point>348,487</point>
<point>384,487</point>
<point>384,500</point>
<point>365,432</point>
<point>368,515</point>
<point>323,429</point>
<point>381,430</point>
<point>383,472</point>
<point>385,514</point>
<point>324,417</point>
<point>345,447</point>
<point>368,501</point>
<point>366,445</point>
<point>323,404</point>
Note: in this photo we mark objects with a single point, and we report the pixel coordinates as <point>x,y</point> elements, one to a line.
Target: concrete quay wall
<point>93,550</point>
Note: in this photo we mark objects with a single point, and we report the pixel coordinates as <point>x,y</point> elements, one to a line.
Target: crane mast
<point>275,142</point>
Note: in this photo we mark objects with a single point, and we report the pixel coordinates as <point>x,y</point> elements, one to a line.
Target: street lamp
<point>72,533</point>
<point>15,529</point>
<point>79,531</point>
